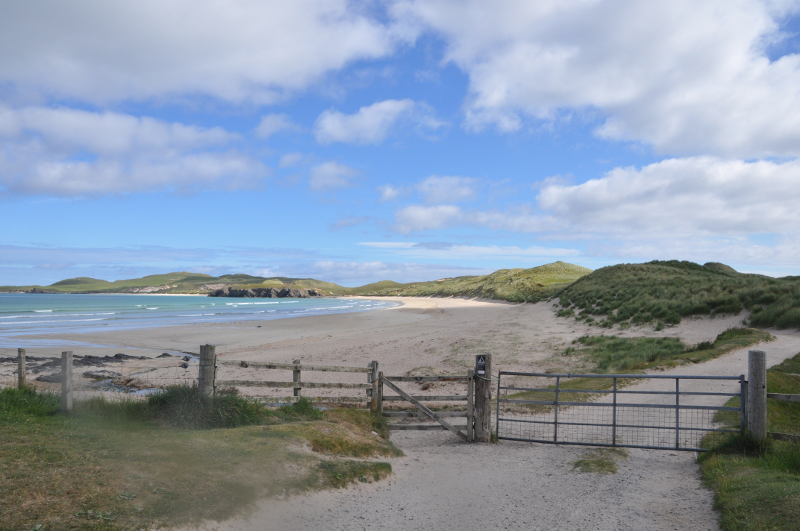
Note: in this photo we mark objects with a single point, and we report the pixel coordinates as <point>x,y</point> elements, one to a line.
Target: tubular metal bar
<point>614,417</point>
<point>677,413</point>
<point>611,404</point>
<point>625,376</point>
<point>598,425</point>
<point>497,405</point>
<point>742,402</point>
<point>555,427</point>
<point>605,444</point>
<point>607,391</point>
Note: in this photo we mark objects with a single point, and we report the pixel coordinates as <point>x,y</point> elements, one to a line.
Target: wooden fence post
<point>380,393</point>
<point>66,381</point>
<point>206,379</point>
<point>21,377</point>
<point>373,379</point>
<point>470,408</point>
<point>757,394</point>
<point>483,397</point>
<point>296,377</point>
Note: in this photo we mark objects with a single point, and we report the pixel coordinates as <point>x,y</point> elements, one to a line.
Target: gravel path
<point>446,484</point>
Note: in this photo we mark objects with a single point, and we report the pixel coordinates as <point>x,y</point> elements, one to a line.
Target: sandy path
<point>445,484</point>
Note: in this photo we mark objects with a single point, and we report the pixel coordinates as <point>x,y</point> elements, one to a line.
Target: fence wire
<point>648,412</point>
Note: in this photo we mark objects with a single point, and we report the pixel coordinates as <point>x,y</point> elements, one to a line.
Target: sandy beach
<point>527,486</point>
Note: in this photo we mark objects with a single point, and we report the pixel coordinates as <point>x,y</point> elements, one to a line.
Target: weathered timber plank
<point>785,398</point>
<point>426,398</point>
<point>313,399</point>
<point>785,437</point>
<point>421,379</point>
<point>422,427</point>
<point>419,414</point>
<point>291,385</point>
<point>425,410</point>
<point>288,366</point>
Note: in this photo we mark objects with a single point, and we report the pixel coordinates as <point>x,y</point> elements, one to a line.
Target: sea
<point>24,314</point>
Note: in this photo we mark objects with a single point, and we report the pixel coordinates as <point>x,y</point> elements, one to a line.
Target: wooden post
<point>373,379</point>
<point>66,381</point>
<point>296,377</point>
<point>380,393</point>
<point>470,408</point>
<point>21,377</point>
<point>206,380</point>
<point>757,394</point>
<point>483,398</point>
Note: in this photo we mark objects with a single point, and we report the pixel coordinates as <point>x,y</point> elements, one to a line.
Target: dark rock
<point>101,375</point>
<point>50,378</point>
<point>184,365</point>
<point>164,355</point>
<point>268,293</point>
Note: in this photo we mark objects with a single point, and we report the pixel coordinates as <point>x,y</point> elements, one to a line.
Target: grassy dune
<point>665,292</point>
<point>514,285</point>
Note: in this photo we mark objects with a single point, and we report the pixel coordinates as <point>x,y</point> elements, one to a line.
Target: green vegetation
<point>600,461</point>
<point>514,285</point>
<point>757,485</point>
<point>663,293</point>
<point>626,354</point>
<point>124,465</point>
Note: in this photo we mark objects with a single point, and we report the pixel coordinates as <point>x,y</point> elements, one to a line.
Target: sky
<point>407,140</point>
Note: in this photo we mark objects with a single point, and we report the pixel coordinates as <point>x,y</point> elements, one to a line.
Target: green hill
<point>514,285</point>
<point>666,292</point>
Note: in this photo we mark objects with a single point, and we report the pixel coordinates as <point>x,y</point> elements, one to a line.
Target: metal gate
<point>621,410</point>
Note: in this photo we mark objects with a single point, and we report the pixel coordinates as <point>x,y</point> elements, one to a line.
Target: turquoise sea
<point>24,314</point>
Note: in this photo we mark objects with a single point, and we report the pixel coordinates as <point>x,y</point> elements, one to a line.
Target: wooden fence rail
<point>783,397</point>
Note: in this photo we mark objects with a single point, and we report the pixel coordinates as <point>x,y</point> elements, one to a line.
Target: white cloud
<point>236,50</point>
<point>360,273</point>
<point>701,196</point>
<point>447,189</point>
<point>275,123</point>
<point>372,124</point>
<point>65,152</point>
<point>418,218</point>
<point>389,192</point>
<point>331,175</point>
<point>687,76</point>
<point>443,250</point>
<point>291,159</point>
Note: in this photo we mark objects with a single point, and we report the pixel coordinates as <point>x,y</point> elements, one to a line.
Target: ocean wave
<point>42,311</point>
<point>156,308</point>
<point>60,321</point>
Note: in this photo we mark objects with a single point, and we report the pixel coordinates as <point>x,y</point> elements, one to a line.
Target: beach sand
<point>436,487</point>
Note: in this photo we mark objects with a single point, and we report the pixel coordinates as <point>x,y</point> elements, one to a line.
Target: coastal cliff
<point>269,293</point>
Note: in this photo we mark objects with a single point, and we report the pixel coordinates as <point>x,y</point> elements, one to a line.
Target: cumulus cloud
<point>236,51</point>
<point>447,189</point>
<point>689,77</point>
<point>66,152</point>
<point>331,175</point>
<point>389,193</point>
<point>694,196</point>
<point>275,123</point>
<point>450,251</point>
<point>373,123</point>
<point>416,218</point>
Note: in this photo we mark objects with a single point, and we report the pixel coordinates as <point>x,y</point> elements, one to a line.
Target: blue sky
<point>405,140</point>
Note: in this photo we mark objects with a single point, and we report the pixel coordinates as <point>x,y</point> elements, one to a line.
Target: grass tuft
<point>600,461</point>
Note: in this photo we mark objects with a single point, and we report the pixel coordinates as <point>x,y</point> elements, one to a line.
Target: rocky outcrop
<point>268,293</point>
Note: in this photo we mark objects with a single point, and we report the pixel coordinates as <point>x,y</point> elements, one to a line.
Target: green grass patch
<point>663,293</point>
<point>514,285</point>
<point>612,354</point>
<point>600,461</point>
<point>757,484</point>
<point>131,465</point>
